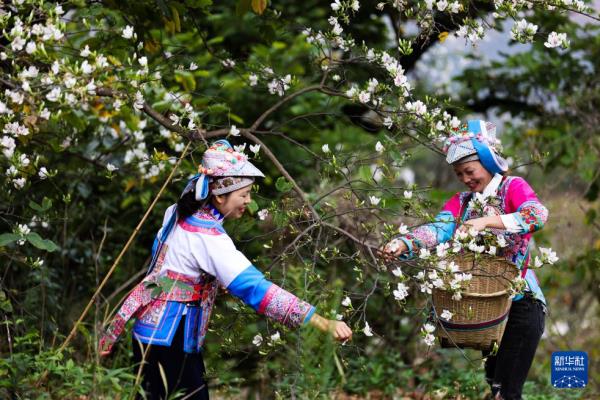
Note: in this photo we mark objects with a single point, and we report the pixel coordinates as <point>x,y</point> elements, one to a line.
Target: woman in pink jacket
<point>512,211</point>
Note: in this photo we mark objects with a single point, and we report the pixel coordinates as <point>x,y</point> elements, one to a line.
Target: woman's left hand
<point>478,224</point>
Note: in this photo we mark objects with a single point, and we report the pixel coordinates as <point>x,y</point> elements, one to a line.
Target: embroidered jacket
<point>517,204</point>
<point>198,256</point>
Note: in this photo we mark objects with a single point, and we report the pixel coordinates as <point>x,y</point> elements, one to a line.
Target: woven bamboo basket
<point>479,318</point>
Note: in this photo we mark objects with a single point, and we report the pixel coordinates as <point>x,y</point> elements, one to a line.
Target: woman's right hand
<point>340,331</point>
<point>394,248</point>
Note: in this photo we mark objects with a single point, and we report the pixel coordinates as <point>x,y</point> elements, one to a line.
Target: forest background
<point>100,99</point>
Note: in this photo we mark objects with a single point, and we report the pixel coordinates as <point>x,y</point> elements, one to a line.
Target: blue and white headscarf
<point>476,140</point>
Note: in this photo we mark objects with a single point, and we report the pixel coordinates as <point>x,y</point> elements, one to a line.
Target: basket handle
<point>486,295</point>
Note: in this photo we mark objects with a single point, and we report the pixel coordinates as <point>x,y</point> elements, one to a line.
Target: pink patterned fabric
<point>426,236</point>
<point>454,204</point>
<point>200,229</point>
<point>282,306</point>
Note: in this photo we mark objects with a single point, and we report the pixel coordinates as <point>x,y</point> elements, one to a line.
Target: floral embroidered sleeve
<point>438,231</point>
<point>243,280</point>
<point>529,214</point>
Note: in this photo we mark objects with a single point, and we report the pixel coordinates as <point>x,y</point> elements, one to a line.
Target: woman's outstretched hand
<point>393,249</point>
<point>338,329</point>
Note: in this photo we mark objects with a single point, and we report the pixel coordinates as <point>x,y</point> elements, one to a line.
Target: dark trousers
<point>183,372</point>
<point>507,370</point>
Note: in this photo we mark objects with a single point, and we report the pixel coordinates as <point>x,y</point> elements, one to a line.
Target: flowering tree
<point>99,101</point>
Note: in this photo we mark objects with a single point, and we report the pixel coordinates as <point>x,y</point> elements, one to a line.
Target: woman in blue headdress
<point>192,256</point>
<point>513,212</point>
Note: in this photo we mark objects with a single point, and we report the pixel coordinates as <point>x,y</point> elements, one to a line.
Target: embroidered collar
<point>492,188</point>
<point>210,210</point>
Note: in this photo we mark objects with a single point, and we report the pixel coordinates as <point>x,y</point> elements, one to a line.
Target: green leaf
<point>186,79</point>
<point>283,185</point>
<point>252,207</point>
<point>7,238</point>
<point>45,206</point>
<point>44,244</point>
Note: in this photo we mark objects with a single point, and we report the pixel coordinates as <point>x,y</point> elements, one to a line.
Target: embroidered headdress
<point>223,170</point>
<point>476,140</point>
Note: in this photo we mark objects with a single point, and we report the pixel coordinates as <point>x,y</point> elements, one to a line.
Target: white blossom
<point>442,249</point>
<point>228,63</point>
<point>424,253</point>
<point>418,107</point>
<point>234,131</point>
<point>403,229</point>
<point>397,272</point>
<point>110,167</point>
<point>429,339</point>
<point>346,302</point>
<point>128,32</point>
<point>240,148</point>
<point>91,87</point>
<point>374,200</point>
<point>263,214</point>
<point>372,85</point>
<point>548,255</point>
<point>441,5</point>
<point>17,44</point>
<point>43,173</point>
<point>401,292</point>
<point>336,5</point>
<point>139,101</point>
<point>30,48</point>
<point>492,250</point>
<point>388,123</point>
<point>447,315</point>
<point>8,146</point>
<point>367,329</point>
<point>24,160</point>
<point>54,94</point>
<point>556,40</point>
<point>85,52</point>
<point>22,229</point>
<point>86,67</point>
<point>253,80</point>
<point>455,7</point>
<point>325,148</point>
<point>501,241</point>
<point>276,337</point>
<point>193,66</point>
<point>408,194</point>
<point>379,147</point>
<point>255,148</point>
<point>257,340</point>
<point>428,328</point>
<point>19,183</point>
<point>364,97</point>
<point>143,61</point>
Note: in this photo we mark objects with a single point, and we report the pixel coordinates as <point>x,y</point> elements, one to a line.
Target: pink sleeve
<point>519,192</point>
<point>453,205</point>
